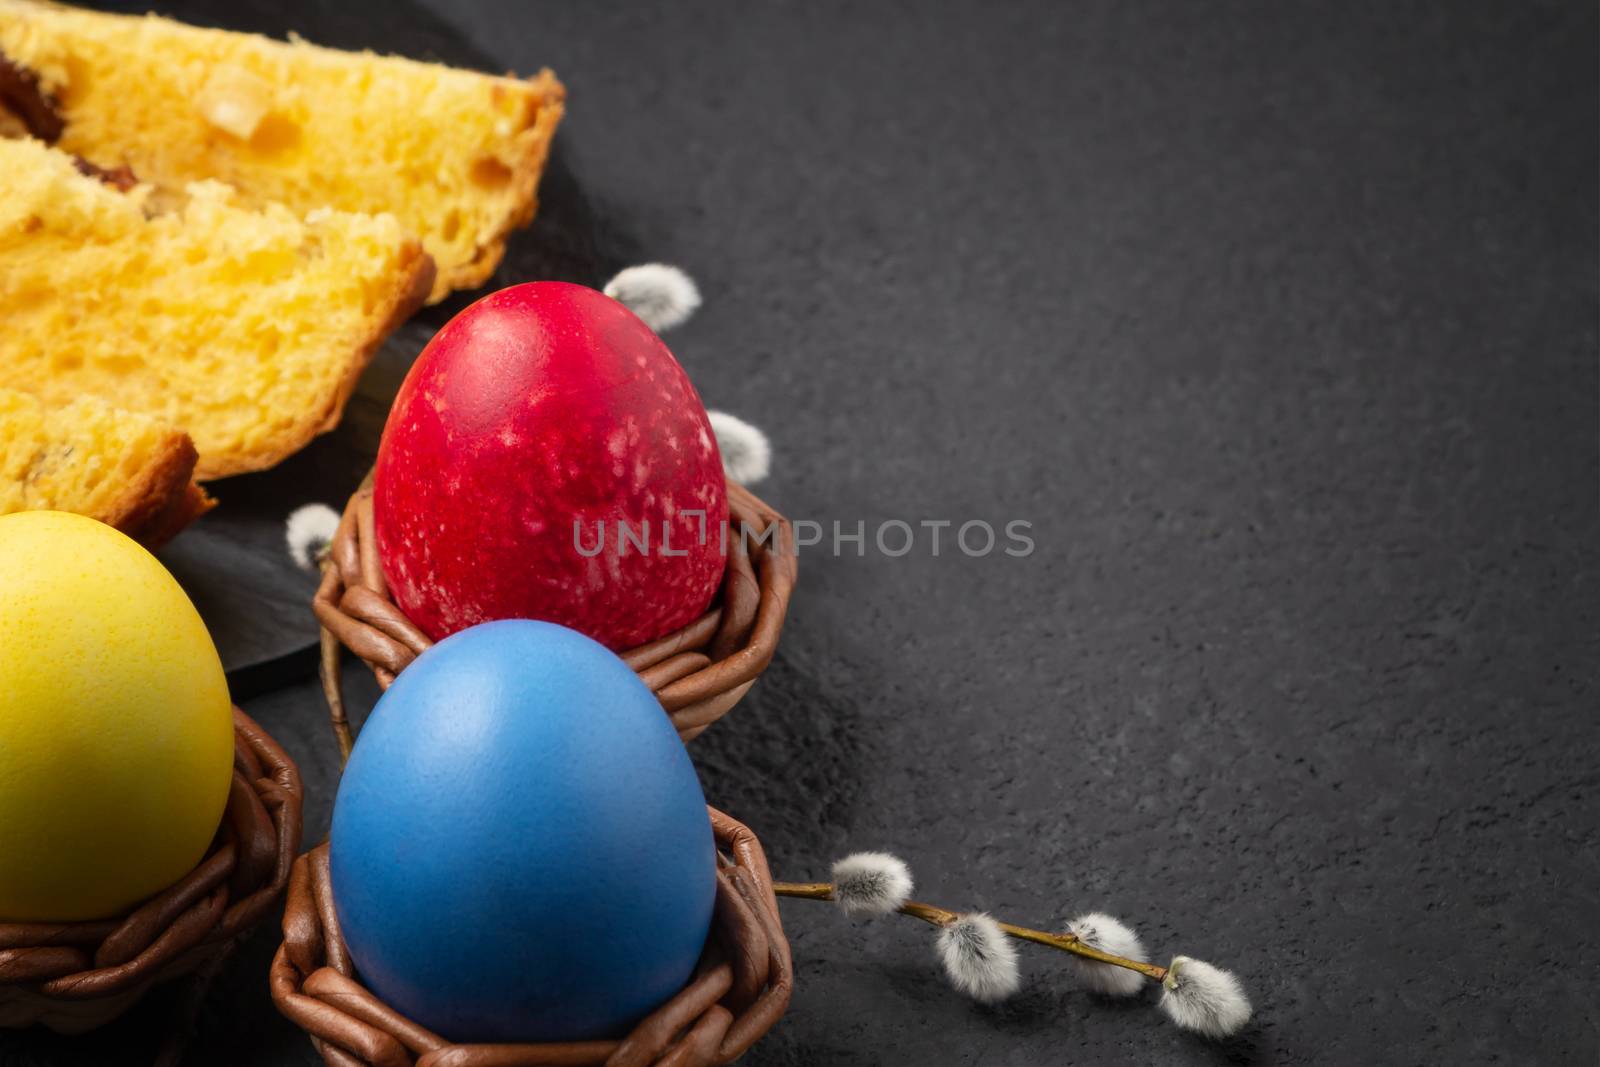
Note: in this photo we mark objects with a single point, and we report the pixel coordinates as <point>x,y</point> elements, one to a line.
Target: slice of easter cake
<point>455,155</point>
<point>245,328</point>
<point>87,457</point>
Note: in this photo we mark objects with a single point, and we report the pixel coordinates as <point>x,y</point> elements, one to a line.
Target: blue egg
<point>520,847</point>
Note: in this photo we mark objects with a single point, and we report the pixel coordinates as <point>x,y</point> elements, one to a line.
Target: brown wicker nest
<point>738,992</point>
<point>698,673</point>
<point>73,977</point>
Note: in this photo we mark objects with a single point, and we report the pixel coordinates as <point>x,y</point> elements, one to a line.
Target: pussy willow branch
<point>938,916</point>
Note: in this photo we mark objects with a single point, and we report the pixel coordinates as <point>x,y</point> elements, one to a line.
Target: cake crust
<point>153,509</point>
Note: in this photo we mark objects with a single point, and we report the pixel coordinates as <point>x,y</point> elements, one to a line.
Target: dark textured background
<point>1279,323</point>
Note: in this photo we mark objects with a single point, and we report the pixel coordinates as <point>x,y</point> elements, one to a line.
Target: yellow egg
<point>116,731</point>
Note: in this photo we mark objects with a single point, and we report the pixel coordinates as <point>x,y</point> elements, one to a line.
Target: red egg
<point>547,458</point>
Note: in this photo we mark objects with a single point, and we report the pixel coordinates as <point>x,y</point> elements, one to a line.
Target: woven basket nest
<point>739,990</point>
<point>75,976</point>
<point>698,672</point>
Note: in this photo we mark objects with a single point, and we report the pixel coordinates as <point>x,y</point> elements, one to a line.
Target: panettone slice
<point>455,155</point>
<point>127,470</point>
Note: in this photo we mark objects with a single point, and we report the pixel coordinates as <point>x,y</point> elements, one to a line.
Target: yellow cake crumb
<point>245,327</point>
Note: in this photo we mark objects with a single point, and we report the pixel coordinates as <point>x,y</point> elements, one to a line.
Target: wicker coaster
<point>739,990</point>
<point>73,977</point>
<point>698,673</point>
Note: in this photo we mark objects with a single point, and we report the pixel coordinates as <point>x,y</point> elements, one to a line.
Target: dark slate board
<point>1279,322</point>
<point>233,562</point>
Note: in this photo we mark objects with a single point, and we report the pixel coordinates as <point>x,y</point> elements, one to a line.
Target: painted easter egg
<point>547,458</point>
<point>116,732</point>
<point>520,848</point>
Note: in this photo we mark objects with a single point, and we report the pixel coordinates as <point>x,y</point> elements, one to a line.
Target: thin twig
<point>937,916</point>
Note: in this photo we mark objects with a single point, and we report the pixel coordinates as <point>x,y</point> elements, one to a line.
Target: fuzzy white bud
<point>978,958</point>
<point>308,531</point>
<point>871,883</point>
<point>1101,931</point>
<point>662,296</point>
<point>1203,998</point>
<point>746,455</point>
